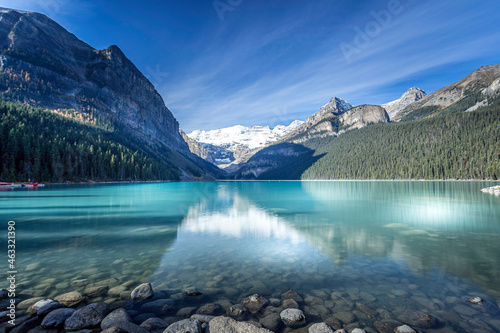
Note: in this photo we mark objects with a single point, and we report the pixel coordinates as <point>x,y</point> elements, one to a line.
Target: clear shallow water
<point>387,245</point>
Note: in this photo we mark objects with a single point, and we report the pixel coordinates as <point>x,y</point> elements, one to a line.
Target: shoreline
<point>255,180</point>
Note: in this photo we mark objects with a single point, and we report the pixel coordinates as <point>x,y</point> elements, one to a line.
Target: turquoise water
<point>389,245</point>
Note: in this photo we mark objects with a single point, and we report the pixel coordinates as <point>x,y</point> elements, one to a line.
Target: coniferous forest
<point>463,145</point>
<point>43,146</point>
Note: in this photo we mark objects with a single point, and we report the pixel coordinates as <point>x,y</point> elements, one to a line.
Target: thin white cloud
<point>415,42</point>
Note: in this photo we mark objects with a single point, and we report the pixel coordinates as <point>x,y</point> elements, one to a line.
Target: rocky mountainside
<point>361,116</point>
<point>197,149</point>
<point>42,64</point>
<point>291,155</point>
<point>410,96</point>
<point>317,124</point>
<point>475,90</point>
<point>234,144</point>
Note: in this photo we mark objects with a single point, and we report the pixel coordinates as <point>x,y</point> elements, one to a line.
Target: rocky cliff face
<point>360,116</point>
<point>43,64</point>
<point>197,149</point>
<point>335,107</point>
<point>410,96</point>
<point>476,86</point>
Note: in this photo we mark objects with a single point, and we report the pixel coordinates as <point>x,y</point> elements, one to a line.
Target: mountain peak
<point>410,96</point>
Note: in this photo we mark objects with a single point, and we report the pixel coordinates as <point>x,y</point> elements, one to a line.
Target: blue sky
<point>229,62</point>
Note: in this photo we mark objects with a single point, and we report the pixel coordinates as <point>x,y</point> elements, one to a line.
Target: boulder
<point>118,315</point>
<point>237,312</point>
<point>35,307</point>
<point>192,292</point>
<point>202,318</point>
<point>185,326</point>
<point>142,292</point>
<point>229,325</point>
<point>254,303</point>
<point>320,328</point>
<point>87,317</point>
<point>293,318</point>
<point>271,322</point>
<point>153,324</point>
<point>404,329</point>
<point>48,308</point>
<point>57,318</point>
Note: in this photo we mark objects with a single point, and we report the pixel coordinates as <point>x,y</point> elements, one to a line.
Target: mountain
<point>43,65</point>
<point>317,124</point>
<point>293,153</point>
<point>410,96</point>
<point>234,144</point>
<point>197,149</point>
<point>468,94</point>
<point>449,134</point>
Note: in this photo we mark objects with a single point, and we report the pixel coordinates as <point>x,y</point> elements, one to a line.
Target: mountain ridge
<point>233,144</point>
<point>410,96</point>
<point>44,65</point>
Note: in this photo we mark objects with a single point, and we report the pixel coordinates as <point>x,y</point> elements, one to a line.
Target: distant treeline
<point>463,145</point>
<point>44,146</point>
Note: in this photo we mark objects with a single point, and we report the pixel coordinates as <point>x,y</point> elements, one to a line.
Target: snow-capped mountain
<point>233,143</point>
<point>335,107</point>
<point>410,96</point>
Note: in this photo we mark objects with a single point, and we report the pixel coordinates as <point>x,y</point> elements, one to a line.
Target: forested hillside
<point>45,146</point>
<point>453,146</point>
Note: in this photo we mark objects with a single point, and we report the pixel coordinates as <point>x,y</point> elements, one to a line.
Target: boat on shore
<point>22,185</point>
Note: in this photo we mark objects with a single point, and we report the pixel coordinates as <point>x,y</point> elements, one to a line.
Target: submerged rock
<point>29,302</point>
<point>290,304</point>
<point>387,325</point>
<point>160,306</point>
<point>70,299</point>
<point>87,317</point>
<point>95,291</point>
<point>417,319</point>
<point>211,309</point>
<point>186,312</point>
<point>142,292</point>
<point>293,318</point>
<point>254,303</point>
<point>192,292</point>
<point>291,294</point>
<point>237,312</point>
<point>271,321</point>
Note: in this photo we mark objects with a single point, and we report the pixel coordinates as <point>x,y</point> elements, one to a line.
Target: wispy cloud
<point>245,83</point>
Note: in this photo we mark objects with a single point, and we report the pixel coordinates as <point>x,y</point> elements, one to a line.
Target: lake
<point>355,251</point>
